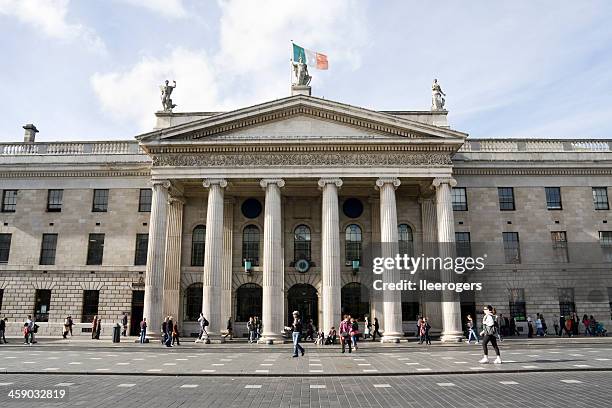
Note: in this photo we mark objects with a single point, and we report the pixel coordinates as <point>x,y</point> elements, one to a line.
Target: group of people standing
<point>254,327</point>
<point>170,332</point>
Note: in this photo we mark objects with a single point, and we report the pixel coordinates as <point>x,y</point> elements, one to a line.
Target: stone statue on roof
<point>437,96</point>
<point>166,91</point>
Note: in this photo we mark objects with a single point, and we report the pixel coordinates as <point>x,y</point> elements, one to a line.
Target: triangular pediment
<point>301,118</point>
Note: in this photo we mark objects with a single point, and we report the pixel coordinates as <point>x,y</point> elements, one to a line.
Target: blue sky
<point>91,70</point>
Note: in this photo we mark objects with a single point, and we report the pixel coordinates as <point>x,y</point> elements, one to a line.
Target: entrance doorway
<point>136,314</point>
<point>303,298</point>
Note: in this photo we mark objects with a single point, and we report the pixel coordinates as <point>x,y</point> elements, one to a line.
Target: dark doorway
<point>468,308</point>
<point>137,309</point>
<point>248,302</point>
<point>355,301</point>
<point>303,298</point>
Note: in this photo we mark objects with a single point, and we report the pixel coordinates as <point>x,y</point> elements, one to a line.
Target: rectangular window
<point>566,301</point>
<point>9,200</point>
<point>47,249</point>
<point>559,244</point>
<point>600,198</point>
<point>517,304</point>
<point>5,247</point>
<point>512,249</point>
<point>142,244</point>
<point>91,298</point>
<point>54,200</point>
<point>353,252</point>
<point>459,196</point>
<point>462,242</point>
<point>506,198</point>
<point>144,203</point>
<point>95,249</point>
<point>43,303</point>
<point>553,198</point>
<point>100,201</point>
<point>605,240</point>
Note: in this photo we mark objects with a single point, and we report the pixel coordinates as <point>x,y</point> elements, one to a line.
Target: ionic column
<point>392,299</point>
<point>213,259</point>
<point>451,307</point>
<point>154,278</point>
<point>226,276</point>
<point>172,276</point>
<point>273,273</point>
<point>431,306</point>
<point>376,301</point>
<point>330,253</point>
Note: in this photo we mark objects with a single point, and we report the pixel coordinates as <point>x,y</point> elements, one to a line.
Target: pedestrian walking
<point>587,324</point>
<point>556,325</point>
<point>66,327</point>
<point>575,324</point>
<point>345,333</point>
<point>258,328</point>
<point>3,330</point>
<point>376,329</point>
<point>539,327</point>
<point>569,326</point>
<point>513,329</point>
<point>529,327</point>
<point>368,328</point>
<point>544,326</point>
<point>164,330</point>
<point>497,331</point>
<point>26,333</point>
<point>143,330</point>
<point>296,334</point>
<point>252,330</point>
<point>169,328</point>
<point>354,333</point>
<point>175,335</point>
<point>98,329</point>
<point>310,330</point>
<point>70,324</point>
<point>203,333</point>
<point>94,327</point>
<point>489,335</point>
<point>124,323</point>
<point>471,328</point>
<point>230,329</point>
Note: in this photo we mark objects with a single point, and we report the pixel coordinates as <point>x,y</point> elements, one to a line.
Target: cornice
<point>39,174</point>
<point>532,171</point>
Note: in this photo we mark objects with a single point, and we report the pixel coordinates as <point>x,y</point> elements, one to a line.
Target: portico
<point>297,150</point>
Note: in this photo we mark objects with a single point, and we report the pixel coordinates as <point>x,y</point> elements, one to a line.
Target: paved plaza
<point>540,372</point>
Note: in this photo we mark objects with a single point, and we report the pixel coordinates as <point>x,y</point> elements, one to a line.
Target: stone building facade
<point>269,209</point>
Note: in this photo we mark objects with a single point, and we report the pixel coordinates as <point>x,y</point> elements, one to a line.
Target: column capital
<point>278,181</point>
<point>211,181</point>
<point>163,183</point>
<point>176,200</point>
<point>332,180</point>
<point>444,180</point>
<point>387,180</point>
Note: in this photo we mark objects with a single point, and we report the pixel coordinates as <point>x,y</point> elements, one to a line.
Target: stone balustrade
<point>536,145</point>
<point>70,148</point>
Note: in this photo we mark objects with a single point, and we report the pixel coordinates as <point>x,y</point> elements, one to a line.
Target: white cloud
<point>251,64</point>
<point>168,8</point>
<point>49,16</point>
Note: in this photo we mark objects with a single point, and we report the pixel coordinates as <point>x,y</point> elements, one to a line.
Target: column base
<point>392,338</point>
<point>453,337</point>
<point>212,339</point>
<point>270,340</point>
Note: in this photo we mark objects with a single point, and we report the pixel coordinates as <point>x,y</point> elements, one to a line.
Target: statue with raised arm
<point>437,96</point>
<point>300,73</point>
<point>166,91</point>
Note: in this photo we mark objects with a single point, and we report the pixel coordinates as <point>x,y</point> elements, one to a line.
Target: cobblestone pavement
<point>483,390</point>
<point>319,361</point>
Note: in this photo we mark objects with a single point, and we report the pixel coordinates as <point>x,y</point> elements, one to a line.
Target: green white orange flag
<point>310,58</point>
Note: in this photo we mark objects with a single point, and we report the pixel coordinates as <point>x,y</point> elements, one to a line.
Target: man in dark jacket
<point>124,323</point>
<point>2,329</point>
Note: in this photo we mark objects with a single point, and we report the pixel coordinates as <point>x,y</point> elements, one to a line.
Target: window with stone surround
<point>600,198</point>
<point>605,240</point>
<point>301,243</point>
<point>95,249</point>
<point>198,243</point>
<point>463,244</point>
<point>142,246</point>
<point>5,247</point>
<point>506,198</point>
<point>54,200</point>
<point>553,198</point>
<point>192,302</point>
<point>459,196</point>
<point>567,306</point>
<point>516,304</point>
<point>559,244</point>
<point>512,248</point>
<point>250,244</point>
<point>352,244</point>
<point>100,200</point>
<point>9,200</point>
<point>47,249</point>
<point>405,239</point>
<point>144,202</point>
<point>42,305</point>
<point>91,300</point>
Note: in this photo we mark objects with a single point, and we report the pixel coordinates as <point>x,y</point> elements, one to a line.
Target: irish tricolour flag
<point>310,58</point>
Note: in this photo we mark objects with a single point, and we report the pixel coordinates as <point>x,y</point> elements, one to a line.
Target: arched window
<point>353,244</point>
<point>192,302</point>
<point>250,244</point>
<point>248,301</point>
<point>301,243</point>
<point>405,240</point>
<point>198,240</point>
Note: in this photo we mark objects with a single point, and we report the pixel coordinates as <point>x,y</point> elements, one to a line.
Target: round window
<point>352,208</point>
<point>251,208</point>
